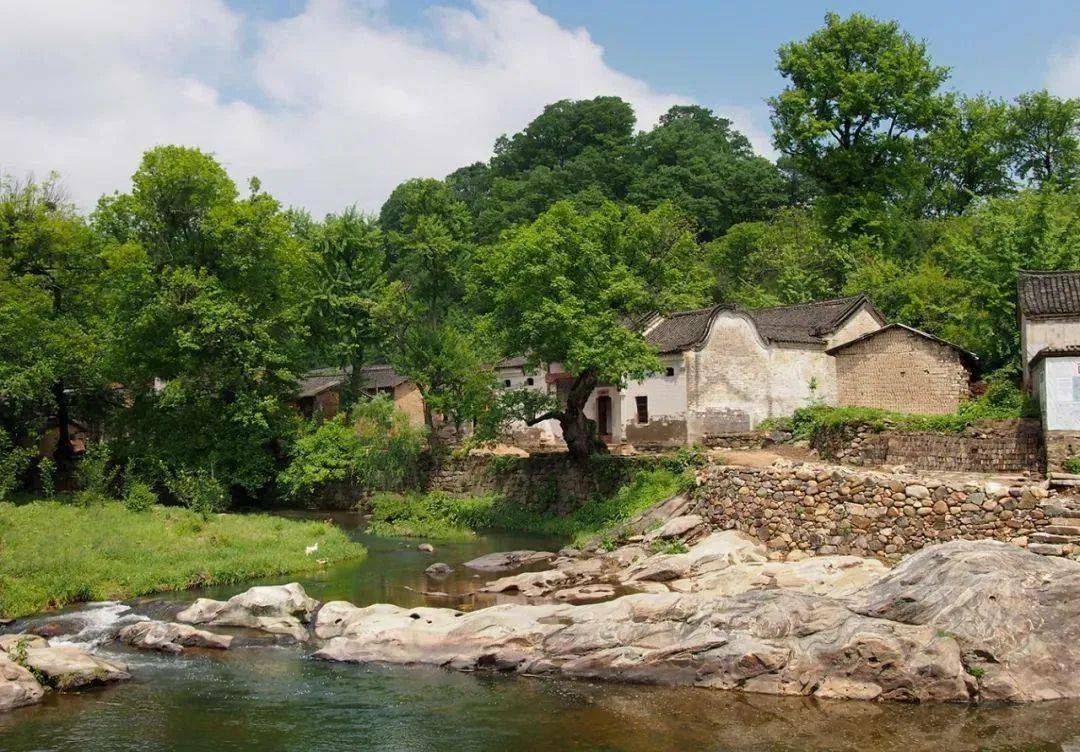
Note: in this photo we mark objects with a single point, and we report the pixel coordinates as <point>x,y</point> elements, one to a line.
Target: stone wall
<point>829,510</point>
<point>899,370</point>
<point>552,481</point>
<point>1006,447</point>
<point>1060,446</point>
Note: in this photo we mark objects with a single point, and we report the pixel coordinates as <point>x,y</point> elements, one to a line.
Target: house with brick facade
<point>902,369</point>
<point>319,391</point>
<point>1049,308</point>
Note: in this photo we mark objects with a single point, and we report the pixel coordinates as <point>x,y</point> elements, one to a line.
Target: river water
<point>274,697</point>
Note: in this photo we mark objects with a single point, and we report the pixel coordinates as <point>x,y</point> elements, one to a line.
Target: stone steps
<point>1062,536</point>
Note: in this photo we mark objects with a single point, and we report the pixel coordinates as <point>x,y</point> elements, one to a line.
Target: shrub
<point>95,472</point>
<point>1072,465</point>
<point>47,476</point>
<point>374,447</point>
<point>199,491</point>
<point>14,461</point>
<point>139,497</point>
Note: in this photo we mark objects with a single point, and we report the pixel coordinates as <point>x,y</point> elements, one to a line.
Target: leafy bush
<point>96,472</point>
<point>139,497</point>
<point>374,447</point>
<point>1072,465</point>
<point>47,476</point>
<point>199,491</point>
<point>14,461</point>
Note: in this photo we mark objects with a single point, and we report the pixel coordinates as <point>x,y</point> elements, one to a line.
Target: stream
<point>274,697</point>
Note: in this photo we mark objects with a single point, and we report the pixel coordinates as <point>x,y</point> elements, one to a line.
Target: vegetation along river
<point>276,698</point>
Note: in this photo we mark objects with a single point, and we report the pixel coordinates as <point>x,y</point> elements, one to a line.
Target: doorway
<point>603,417</point>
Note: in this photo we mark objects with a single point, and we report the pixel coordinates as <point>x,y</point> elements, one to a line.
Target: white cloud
<point>337,104</point>
<point>1064,77</point>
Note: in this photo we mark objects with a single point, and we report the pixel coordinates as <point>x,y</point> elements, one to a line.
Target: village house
<point>320,391</point>
<point>1049,306</point>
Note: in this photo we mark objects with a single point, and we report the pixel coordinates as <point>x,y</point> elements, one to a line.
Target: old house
<point>725,369</point>
<point>902,369</point>
<point>320,391</point>
<point>1049,306</point>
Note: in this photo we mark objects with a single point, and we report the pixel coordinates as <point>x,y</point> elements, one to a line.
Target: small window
<point>529,381</point>
<point>670,371</point>
<point>506,383</point>
<point>642,409</point>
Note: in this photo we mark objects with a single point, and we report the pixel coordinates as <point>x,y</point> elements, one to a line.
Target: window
<point>506,383</point>
<point>529,381</point>
<point>670,371</point>
<point>642,409</point>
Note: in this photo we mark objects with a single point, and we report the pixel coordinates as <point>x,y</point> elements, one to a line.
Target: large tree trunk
<point>579,431</point>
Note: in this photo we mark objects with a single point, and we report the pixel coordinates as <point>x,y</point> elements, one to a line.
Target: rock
<point>775,642</point>
<point>585,594</point>
<point>278,609</point>
<point>8,641</point>
<point>505,560</point>
<point>530,584</point>
<point>439,570</point>
<point>18,687</point>
<point>66,667</point>
<point>170,637</point>
<point>427,548</point>
<point>569,552</point>
<point>676,527</point>
<point>1015,615</point>
<point>917,491</point>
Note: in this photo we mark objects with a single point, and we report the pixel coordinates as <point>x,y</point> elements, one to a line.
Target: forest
<point>180,313</point>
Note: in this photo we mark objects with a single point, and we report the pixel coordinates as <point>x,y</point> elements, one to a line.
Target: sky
<point>334,102</point>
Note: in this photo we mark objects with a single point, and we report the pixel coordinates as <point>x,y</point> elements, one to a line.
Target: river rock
<point>67,667</point>
<point>1015,614</point>
<point>18,687</point>
<point>499,562</point>
<point>427,548</point>
<point>775,642</point>
<point>439,570</point>
<point>676,527</point>
<point>585,594</point>
<point>278,609</point>
<point>530,584</point>
<point>8,641</point>
<point>170,637</point>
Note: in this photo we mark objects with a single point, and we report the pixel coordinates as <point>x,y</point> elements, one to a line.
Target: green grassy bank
<point>54,553</point>
<point>439,516</point>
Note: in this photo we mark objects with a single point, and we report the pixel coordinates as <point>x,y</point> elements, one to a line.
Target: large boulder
<point>18,687</point>
<point>68,667</point>
<point>169,637</point>
<point>506,560</point>
<point>775,642</point>
<point>1015,614</point>
<point>13,641</point>
<point>278,609</point>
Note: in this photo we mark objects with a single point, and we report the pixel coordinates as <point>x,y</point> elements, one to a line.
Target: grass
<point>54,553</point>
<point>440,516</point>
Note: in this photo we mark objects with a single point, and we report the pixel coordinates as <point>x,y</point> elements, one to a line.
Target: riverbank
<point>440,516</point>
<point>53,554</point>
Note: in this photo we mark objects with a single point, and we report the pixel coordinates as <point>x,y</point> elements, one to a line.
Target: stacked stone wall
<point>829,510</point>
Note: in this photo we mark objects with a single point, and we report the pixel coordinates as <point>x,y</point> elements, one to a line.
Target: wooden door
<point>603,417</point>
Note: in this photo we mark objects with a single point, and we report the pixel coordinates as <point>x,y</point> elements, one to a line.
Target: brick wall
<point>1004,447</point>
<point>828,510</point>
<point>899,370</point>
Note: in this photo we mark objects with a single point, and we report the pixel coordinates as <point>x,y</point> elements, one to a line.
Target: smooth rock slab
<point>66,667</point>
<point>278,609</point>
<point>499,562</point>
<point>9,641</point>
<point>18,687</point>
<point>169,637</point>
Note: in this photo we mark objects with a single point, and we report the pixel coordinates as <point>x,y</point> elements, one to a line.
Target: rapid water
<point>269,698</point>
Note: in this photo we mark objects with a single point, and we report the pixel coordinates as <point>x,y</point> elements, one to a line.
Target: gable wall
<point>901,371</point>
<point>1037,334</point>
<point>859,323</point>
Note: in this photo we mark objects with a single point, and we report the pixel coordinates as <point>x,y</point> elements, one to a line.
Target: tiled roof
<point>1049,293</point>
<point>1051,352</point>
<point>971,358</point>
<point>319,381</point>
<point>381,377</point>
<point>806,323</point>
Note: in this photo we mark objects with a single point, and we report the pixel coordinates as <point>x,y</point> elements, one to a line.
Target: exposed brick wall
<point>901,371</point>
<point>827,510</point>
<point>1007,447</point>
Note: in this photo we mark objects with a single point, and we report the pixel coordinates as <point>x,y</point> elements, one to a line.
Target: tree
<point>1044,133</point>
<point>51,335</point>
<point>207,299</point>
<point>567,288</point>
<point>968,154</point>
<point>859,92</point>
<point>349,257</point>
<point>422,312</point>
<point>697,161</point>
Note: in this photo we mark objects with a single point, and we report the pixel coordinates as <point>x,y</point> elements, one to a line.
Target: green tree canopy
<point>1044,133</point>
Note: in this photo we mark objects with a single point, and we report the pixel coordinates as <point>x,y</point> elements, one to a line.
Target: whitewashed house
<point>725,369</point>
<point>1049,305</point>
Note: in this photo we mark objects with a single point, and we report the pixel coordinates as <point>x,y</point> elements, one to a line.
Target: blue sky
<point>332,103</point>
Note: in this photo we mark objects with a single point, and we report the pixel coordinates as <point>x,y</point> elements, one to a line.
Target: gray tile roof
<point>323,379</point>
<point>1044,293</point>
<point>1054,352</point>
<point>804,323</point>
